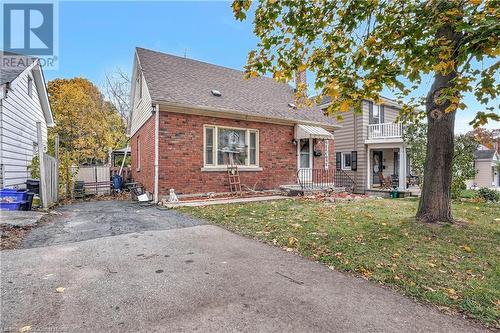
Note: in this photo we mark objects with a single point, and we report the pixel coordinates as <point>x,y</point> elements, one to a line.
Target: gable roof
<point>187,82</point>
<point>12,65</point>
<point>484,154</point>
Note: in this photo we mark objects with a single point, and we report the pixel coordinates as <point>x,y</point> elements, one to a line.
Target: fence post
<point>43,180</point>
<point>56,155</point>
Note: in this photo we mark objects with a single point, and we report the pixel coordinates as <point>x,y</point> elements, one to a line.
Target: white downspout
<point>157,150</point>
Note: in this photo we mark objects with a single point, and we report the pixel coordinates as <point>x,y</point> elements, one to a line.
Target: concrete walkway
<point>208,202</point>
<point>19,218</point>
<point>191,277</point>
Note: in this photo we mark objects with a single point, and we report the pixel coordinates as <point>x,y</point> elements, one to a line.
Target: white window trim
<point>138,168</point>
<point>327,154</point>
<point>217,167</point>
<point>344,167</point>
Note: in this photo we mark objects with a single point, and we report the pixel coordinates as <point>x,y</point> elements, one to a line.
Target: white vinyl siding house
<point>140,100</point>
<point>486,164</point>
<point>23,103</point>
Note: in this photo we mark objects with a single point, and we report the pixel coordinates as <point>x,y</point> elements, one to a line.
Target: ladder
<point>234,179</point>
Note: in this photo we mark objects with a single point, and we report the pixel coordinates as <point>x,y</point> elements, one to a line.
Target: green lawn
<point>456,267</point>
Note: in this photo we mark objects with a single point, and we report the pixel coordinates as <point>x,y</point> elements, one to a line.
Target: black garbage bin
<point>33,186</point>
<point>29,200</point>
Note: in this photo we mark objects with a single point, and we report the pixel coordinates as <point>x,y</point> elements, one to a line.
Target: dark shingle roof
<point>485,154</point>
<point>190,82</point>
<point>12,64</point>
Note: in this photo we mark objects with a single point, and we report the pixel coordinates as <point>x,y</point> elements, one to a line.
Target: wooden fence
<point>49,171</point>
<point>96,178</point>
<point>51,176</point>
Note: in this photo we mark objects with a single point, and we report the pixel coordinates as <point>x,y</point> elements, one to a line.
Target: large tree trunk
<point>435,201</point>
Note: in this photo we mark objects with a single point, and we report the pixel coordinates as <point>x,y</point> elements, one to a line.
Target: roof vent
<point>216,93</point>
<point>291,105</point>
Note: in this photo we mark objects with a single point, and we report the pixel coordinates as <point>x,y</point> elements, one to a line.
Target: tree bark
<point>435,201</point>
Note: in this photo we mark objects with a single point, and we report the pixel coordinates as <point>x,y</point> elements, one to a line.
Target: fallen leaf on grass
<point>293,242</point>
<point>60,289</point>
<point>366,273</point>
<point>452,294</point>
<point>467,248</point>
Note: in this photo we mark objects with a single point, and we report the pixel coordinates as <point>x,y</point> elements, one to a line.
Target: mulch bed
<point>11,236</point>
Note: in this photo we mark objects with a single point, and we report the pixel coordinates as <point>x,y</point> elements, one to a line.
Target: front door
<point>305,160</point>
<point>376,165</point>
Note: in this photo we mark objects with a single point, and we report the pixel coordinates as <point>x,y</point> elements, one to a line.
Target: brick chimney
<point>300,77</point>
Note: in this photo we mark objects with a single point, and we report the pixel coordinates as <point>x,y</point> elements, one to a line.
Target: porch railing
<point>311,179</point>
<point>385,131</point>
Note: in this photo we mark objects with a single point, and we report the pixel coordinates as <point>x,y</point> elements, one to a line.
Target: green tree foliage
<point>463,163</point>
<point>463,157</point>
<point>415,137</point>
<point>87,125</point>
<point>356,48</point>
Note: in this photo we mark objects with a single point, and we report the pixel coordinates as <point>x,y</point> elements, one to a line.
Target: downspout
<point>157,150</point>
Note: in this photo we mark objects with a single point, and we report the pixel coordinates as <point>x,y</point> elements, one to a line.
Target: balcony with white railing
<point>385,131</point>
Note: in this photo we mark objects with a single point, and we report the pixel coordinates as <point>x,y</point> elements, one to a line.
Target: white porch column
<point>402,167</point>
<point>368,169</point>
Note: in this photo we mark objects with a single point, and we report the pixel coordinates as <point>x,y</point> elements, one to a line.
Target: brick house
<point>190,120</point>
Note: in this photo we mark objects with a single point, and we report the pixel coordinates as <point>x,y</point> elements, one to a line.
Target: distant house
<point>487,164</point>
<point>23,102</point>
<point>370,148</point>
<point>191,119</point>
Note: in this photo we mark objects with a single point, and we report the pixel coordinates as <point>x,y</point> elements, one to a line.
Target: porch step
<point>296,190</point>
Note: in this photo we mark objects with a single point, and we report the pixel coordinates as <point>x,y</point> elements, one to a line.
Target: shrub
<point>469,194</point>
<point>457,187</point>
<point>489,194</point>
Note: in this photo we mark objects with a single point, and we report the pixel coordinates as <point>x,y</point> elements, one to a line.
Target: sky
<point>97,37</point>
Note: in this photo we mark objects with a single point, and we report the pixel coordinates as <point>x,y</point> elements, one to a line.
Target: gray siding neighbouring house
<point>352,136</point>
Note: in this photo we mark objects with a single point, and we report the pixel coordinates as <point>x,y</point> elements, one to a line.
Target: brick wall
<point>146,135</point>
<point>181,155</point>
<point>319,161</point>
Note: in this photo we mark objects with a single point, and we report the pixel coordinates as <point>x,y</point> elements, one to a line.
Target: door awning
<point>311,132</point>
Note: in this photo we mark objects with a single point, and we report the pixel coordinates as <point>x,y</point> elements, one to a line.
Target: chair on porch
<point>385,182</point>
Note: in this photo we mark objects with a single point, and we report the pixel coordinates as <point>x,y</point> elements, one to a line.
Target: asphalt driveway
<point>127,268</point>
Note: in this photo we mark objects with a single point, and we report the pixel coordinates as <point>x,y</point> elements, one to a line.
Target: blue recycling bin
<point>117,182</point>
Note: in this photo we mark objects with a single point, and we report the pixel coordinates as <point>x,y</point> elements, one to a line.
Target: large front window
<point>230,146</point>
